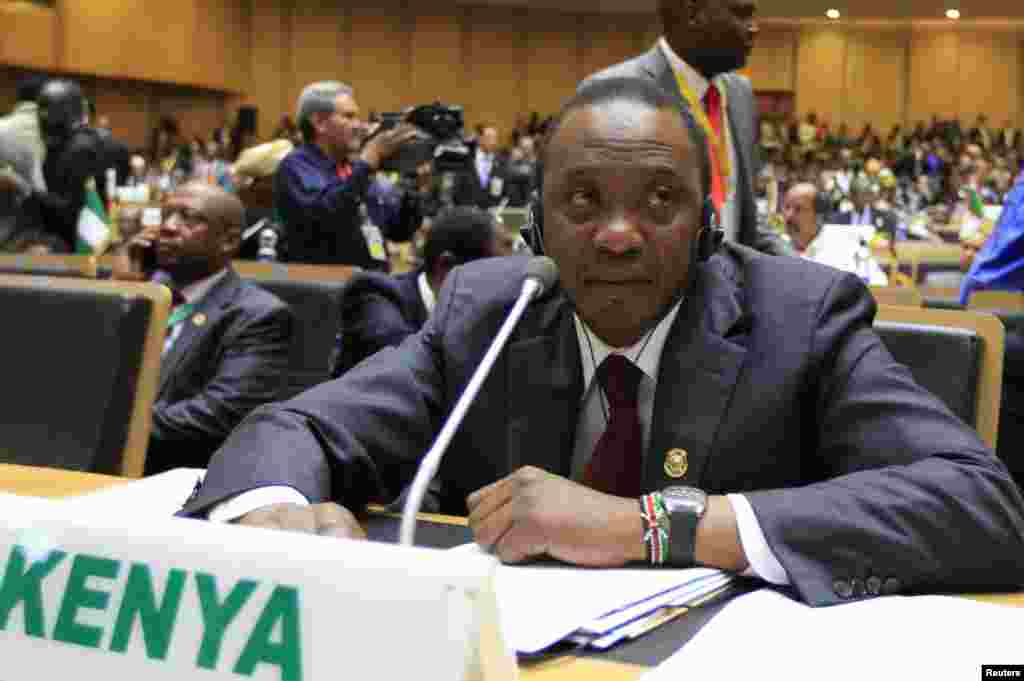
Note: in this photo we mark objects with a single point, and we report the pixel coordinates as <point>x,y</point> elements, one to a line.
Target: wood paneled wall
<point>200,59</point>
<point>887,74</point>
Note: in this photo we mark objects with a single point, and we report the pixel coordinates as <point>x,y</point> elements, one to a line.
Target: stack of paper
<point>768,635</point>
<point>545,604</point>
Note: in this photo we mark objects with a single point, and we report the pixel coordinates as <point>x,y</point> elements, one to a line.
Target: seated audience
<point>863,212</point>
<point>20,128</point>
<point>380,310</point>
<point>228,341</point>
<point>825,244</point>
<point>748,402</point>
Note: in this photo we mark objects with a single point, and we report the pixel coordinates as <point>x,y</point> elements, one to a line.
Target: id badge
<point>375,241</point>
<point>497,184</point>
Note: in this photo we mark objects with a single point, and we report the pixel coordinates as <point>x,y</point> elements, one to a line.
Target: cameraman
<point>320,195</point>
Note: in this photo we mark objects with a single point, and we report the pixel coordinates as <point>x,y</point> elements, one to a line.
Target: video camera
<point>442,125</point>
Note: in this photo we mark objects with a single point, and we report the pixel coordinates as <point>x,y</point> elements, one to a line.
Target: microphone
<point>541,276</point>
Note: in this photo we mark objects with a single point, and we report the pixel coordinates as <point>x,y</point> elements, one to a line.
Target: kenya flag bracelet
<point>656,527</point>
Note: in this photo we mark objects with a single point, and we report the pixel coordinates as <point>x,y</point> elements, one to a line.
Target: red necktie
<point>615,467</point>
<point>713,108</point>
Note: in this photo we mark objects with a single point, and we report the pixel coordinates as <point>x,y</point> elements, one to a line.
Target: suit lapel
<point>545,386</point>
<point>205,317</point>
<point>700,366</point>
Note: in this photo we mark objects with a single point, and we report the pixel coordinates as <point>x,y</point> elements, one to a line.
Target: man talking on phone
<point>228,342</point>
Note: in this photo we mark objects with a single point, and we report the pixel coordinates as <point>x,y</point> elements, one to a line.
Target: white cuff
<point>763,562</point>
<point>246,502</point>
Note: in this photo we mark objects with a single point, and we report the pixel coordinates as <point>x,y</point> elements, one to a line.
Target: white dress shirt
<point>699,85</point>
<point>426,293</point>
<point>840,247</point>
<point>763,562</point>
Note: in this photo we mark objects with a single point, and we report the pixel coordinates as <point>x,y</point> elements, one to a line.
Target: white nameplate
<point>97,595</point>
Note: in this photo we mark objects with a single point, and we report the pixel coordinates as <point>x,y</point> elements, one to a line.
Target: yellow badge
<point>199,319</point>
<point>677,462</point>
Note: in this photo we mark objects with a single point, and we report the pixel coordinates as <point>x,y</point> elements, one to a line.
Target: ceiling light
<point>832,14</point>
<point>952,14</point>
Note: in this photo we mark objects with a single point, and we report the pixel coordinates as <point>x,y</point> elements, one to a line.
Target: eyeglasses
<point>186,215</point>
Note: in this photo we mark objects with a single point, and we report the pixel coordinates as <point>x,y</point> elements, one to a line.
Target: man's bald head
<point>799,210</point>
<point>221,207</point>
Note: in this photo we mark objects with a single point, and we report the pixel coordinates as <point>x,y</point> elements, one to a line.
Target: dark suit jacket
<point>771,378</point>
<point>469,192</point>
<point>743,125</point>
<point>230,357</point>
<point>377,311</point>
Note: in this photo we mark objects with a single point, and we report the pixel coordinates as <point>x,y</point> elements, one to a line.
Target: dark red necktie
<point>713,108</point>
<point>615,467</point>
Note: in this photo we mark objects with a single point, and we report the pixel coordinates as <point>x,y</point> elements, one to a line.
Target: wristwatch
<point>685,507</point>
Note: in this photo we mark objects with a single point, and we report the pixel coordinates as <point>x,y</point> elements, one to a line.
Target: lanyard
<point>719,144</point>
<point>179,314</point>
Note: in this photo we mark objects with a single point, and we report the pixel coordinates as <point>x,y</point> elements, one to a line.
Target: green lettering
<point>77,595</point>
<point>218,616</point>
<point>286,654</point>
<point>156,620</point>
<point>21,585</point>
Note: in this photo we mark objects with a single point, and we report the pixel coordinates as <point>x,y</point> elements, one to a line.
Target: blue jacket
<point>1000,263</point>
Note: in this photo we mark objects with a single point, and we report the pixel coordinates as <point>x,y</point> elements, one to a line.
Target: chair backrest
<point>957,356</point>
<point>49,265</point>
<point>254,270</point>
<point>316,306</point>
<point>1001,301</point>
<point>81,363</point>
<point>897,295</point>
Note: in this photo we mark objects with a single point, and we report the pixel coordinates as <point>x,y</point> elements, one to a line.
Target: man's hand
<point>328,520</point>
<point>388,143</point>
<point>533,513</point>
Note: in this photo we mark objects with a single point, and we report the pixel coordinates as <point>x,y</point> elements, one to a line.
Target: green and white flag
<point>93,223</point>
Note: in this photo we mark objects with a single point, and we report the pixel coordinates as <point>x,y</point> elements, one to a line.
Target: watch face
<point>686,495</point>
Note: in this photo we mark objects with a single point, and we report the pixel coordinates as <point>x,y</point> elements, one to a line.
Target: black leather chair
<point>957,355</point>
<point>945,361</point>
<point>316,306</point>
<point>80,363</point>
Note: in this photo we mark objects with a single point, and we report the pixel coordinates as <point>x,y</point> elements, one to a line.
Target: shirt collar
<point>426,293</point>
<point>650,357</point>
<point>317,154</point>
<point>197,290</point>
<point>25,107</point>
<point>697,82</point>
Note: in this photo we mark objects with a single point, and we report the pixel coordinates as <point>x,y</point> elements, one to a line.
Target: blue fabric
<point>1000,263</point>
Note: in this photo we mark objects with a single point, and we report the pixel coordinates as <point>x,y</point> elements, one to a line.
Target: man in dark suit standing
<point>483,185</point>
<point>228,342</point>
<point>705,41</point>
<point>865,213</point>
<point>379,310</point>
<point>744,401</point>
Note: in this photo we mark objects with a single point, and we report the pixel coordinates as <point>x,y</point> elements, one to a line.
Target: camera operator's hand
<point>387,144</point>
<point>12,183</point>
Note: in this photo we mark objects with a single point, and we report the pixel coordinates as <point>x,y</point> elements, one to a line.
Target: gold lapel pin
<point>199,319</point>
<point>677,462</point>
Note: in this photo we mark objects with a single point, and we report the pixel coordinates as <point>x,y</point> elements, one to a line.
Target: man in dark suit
<point>228,342</point>
<point>483,185</point>
<point>379,310</point>
<point>744,400</point>
<point>704,42</point>
<point>865,213</point>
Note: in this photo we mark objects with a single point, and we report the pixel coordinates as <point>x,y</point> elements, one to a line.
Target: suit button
<point>891,586</point>
<point>874,586</point>
<point>857,586</point>
<point>842,588</point>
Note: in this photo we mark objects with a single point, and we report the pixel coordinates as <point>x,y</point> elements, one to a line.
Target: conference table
<point>627,663</point>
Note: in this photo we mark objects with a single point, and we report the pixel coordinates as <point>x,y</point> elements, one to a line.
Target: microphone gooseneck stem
<point>432,461</point>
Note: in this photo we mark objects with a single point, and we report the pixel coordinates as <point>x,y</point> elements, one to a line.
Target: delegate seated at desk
<point>756,379</point>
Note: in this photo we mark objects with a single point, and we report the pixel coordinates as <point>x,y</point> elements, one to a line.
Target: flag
<point>93,223</point>
<point>974,203</point>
